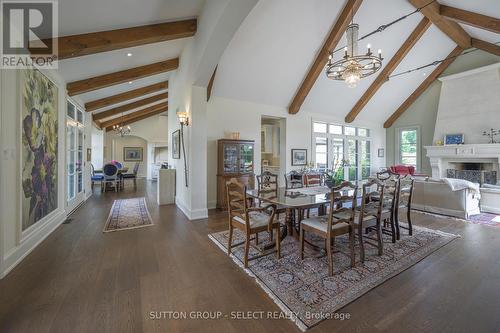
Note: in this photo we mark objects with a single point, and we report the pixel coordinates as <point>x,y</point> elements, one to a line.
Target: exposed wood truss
<point>129,106</point>
<point>318,65</point>
<point>485,46</point>
<point>103,81</point>
<point>389,68</point>
<point>141,117</point>
<point>103,41</point>
<point>211,84</point>
<point>450,28</point>
<point>473,19</point>
<point>115,99</point>
<point>148,111</point>
<point>423,86</point>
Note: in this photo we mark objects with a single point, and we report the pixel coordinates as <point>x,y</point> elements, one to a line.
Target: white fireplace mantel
<point>440,156</point>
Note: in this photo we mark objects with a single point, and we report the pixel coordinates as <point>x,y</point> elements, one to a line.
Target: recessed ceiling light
<point>130,82</point>
<point>425,73</point>
<point>129,54</point>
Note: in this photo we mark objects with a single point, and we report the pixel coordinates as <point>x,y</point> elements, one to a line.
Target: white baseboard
<point>212,204</point>
<point>17,254</point>
<point>191,214</point>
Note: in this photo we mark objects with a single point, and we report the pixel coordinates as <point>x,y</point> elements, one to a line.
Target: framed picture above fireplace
<point>453,139</point>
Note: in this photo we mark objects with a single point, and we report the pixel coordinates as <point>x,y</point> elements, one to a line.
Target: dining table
<point>297,200</point>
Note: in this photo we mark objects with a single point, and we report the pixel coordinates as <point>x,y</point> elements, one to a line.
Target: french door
<point>74,156</point>
<point>350,156</point>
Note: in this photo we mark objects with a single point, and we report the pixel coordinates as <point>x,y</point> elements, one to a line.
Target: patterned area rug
<point>489,219</point>
<point>302,288</point>
<point>128,214</point>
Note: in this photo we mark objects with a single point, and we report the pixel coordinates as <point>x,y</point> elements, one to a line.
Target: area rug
<point>128,214</point>
<point>302,288</point>
<point>488,219</point>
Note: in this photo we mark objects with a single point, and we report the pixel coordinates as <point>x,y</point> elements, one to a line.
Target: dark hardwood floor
<point>81,280</point>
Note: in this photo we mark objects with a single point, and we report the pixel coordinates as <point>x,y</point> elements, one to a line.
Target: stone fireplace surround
<point>443,158</point>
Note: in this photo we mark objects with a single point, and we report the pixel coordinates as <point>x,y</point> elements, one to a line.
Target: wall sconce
<point>183,118</point>
<point>184,121</point>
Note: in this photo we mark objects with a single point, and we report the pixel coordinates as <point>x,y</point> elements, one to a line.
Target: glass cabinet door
<point>230,158</point>
<point>246,158</point>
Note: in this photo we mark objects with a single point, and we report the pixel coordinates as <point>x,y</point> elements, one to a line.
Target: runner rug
<point>303,289</point>
<point>128,214</point>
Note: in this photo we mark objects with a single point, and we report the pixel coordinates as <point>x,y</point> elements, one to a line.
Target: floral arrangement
<point>335,176</point>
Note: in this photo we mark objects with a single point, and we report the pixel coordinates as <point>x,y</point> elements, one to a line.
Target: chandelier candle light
<point>122,130</point>
<point>353,67</point>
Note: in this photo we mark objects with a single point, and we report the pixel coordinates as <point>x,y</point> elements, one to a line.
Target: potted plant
<point>335,176</point>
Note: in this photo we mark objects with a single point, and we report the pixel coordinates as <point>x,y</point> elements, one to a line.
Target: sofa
<point>436,196</point>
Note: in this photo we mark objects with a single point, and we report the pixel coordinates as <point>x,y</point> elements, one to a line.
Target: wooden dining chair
<point>132,175</point>
<point>338,221</point>
<point>312,179</point>
<point>294,179</point>
<point>249,220</point>
<point>404,199</point>
<point>267,183</point>
<point>371,214</point>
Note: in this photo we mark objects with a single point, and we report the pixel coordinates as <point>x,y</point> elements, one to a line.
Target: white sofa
<point>436,196</point>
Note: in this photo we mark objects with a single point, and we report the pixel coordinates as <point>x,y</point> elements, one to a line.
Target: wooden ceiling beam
<point>142,117</point>
<point>473,19</point>
<point>115,99</point>
<point>146,111</point>
<point>423,86</point>
<point>130,106</point>
<point>319,63</point>
<point>103,41</point>
<point>485,46</point>
<point>419,30</point>
<point>452,29</point>
<point>107,80</point>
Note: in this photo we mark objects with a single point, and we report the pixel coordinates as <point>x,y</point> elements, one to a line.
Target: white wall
<point>15,243</point>
<point>97,139</point>
<point>227,115</point>
<point>470,104</point>
<point>187,92</point>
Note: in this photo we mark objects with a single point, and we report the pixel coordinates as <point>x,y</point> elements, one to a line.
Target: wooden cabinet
<point>235,159</point>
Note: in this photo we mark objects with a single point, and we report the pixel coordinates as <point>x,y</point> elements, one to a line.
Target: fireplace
<point>476,172</point>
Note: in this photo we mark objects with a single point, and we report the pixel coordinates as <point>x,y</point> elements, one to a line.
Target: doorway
<point>273,146</point>
<point>74,155</point>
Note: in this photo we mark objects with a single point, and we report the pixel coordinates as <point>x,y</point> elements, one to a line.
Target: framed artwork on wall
<point>299,157</point>
<point>39,147</point>
<point>132,154</point>
<point>176,148</point>
<point>453,139</point>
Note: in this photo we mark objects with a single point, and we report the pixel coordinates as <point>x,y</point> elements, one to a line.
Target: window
<point>408,143</point>
<point>342,148</point>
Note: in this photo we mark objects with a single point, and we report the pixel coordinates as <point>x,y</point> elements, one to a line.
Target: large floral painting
<point>39,147</point>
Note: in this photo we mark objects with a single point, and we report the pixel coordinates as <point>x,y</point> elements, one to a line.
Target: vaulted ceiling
<point>81,17</point>
<point>275,46</point>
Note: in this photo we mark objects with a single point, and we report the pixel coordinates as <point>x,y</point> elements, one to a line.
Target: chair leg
<point>379,238</point>
<point>278,243</point>
<point>257,239</point>
<point>408,218</point>
<point>361,244</point>
<point>396,223</point>
<point>329,255</point>
<point>393,229</point>
<point>301,243</point>
<point>351,245</point>
<point>247,248</point>
<point>135,184</point>
<point>230,240</point>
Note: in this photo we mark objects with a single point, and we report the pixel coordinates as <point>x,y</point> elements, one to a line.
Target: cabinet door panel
<point>246,158</point>
<point>231,157</point>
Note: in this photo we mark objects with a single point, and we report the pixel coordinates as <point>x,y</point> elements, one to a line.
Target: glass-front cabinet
<point>235,160</point>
